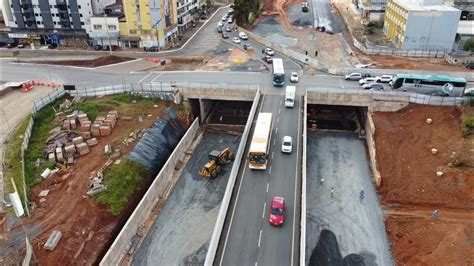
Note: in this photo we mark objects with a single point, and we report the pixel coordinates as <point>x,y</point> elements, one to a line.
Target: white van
<point>290,96</point>
<point>243,36</point>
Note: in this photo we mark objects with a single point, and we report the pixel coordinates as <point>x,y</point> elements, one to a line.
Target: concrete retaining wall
<point>370,136</point>
<point>303,186</point>
<point>149,201</point>
<point>216,234</point>
<point>245,93</point>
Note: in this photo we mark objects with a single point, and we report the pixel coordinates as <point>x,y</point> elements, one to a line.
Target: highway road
<point>248,238</point>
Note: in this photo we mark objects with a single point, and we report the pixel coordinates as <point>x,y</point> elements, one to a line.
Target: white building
<point>104,30</point>
<point>187,9</point>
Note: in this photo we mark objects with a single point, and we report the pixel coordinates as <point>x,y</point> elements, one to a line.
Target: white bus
<point>290,96</point>
<point>278,73</point>
<point>436,85</point>
<point>260,145</point>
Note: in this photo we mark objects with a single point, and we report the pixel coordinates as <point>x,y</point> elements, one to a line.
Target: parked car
<point>469,65</point>
<point>367,80</point>
<point>21,45</point>
<point>353,76</point>
<point>228,29</point>
<point>219,29</point>
<point>224,18</point>
<point>236,40</point>
<point>304,7</point>
<point>105,48</point>
<point>294,77</point>
<point>11,45</point>
<point>115,47</point>
<point>230,20</point>
<point>372,86</point>
<point>384,78</point>
<point>220,24</point>
<point>151,49</point>
<point>225,36</point>
<point>247,47</point>
<point>97,47</point>
<point>469,92</point>
<point>52,46</point>
<point>269,51</point>
<point>276,211</point>
<point>243,36</point>
<point>268,59</point>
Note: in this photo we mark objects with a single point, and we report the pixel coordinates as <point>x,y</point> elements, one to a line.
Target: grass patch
<point>13,160</point>
<point>469,122</point>
<point>122,182</point>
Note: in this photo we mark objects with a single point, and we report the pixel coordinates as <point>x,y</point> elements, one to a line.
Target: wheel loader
<point>217,159</point>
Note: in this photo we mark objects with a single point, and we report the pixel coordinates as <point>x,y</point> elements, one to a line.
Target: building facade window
<point>97,27</point>
<point>111,27</point>
<point>79,6</point>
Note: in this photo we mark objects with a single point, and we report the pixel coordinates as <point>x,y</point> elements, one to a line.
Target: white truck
<point>290,96</point>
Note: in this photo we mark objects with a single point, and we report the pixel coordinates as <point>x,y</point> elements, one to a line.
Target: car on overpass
<point>367,80</point>
<point>287,144</point>
<point>276,211</point>
<point>353,76</point>
<point>384,78</point>
<point>372,86</point>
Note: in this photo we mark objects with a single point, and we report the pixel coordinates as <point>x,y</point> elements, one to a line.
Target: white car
<point>469,92</point>
<point>230,20</point>
<point>287,144</point>
<point>353,76</point>
<point>367,80</point>
<point>294,77</point>
<point>243,36</point>
<point>224,18</point>
<point>384,78</point>
<point>269,51</point>
<point>236,40</point>
<point>220,24</point>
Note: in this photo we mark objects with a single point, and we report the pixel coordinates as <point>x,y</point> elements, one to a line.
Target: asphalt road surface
<point>248,238</point>
<point>358,224</point>
<point>324,15</point>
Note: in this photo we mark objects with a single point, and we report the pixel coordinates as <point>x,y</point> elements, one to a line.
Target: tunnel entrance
<point>335,117</point>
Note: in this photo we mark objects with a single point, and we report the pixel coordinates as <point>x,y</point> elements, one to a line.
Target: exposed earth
<point>411,189</point>
<point>96,62</point>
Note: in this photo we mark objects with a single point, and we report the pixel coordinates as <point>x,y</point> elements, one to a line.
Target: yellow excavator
<point>217,159</point>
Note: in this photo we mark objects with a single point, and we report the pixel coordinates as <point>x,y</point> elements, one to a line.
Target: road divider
<point>303,186</point>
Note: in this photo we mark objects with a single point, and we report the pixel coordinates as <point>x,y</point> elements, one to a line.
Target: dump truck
<point>217,159</point>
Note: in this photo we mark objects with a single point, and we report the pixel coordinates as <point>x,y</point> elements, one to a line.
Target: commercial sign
<point>17,35</point>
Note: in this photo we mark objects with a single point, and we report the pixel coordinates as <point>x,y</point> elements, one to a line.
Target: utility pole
<point>108,36</point>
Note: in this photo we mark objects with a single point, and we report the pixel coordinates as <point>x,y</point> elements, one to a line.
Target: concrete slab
<point>350,226</point>
<point>180,235</point>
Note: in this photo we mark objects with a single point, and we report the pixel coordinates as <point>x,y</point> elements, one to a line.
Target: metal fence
<point>430,53</point>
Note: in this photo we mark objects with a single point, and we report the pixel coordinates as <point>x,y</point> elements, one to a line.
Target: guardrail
<point>149,201</point>
<point>303,186</point>
<point>216,234</point>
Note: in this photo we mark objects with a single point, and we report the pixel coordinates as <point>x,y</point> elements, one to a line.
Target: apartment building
<point>148,23</point>
<point>62,22</point>
<point>187,13</point>
<point>373,10</point>
<point>421,25</point>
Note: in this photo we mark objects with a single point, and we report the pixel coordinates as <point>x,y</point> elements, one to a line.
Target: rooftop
<point>411,5</point>
<point>466,27</point>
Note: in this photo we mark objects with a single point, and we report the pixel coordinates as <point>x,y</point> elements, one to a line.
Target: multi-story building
<point>187,12</point>
<point>373,10</point>
<point>421,25</point>
<point>49,21</point>
<point>148,23</point>
<point>104,29</point>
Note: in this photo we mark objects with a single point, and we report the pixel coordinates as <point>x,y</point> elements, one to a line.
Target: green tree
<point>469,45</point>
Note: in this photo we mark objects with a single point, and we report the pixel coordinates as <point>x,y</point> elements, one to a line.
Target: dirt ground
<point>100,61</point>
<point>393,62</point>
<point>86,226</point>
<point>411,190</point>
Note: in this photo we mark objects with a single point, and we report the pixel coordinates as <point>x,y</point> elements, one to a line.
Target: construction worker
<point>361,195</point>
<point>332,191</point>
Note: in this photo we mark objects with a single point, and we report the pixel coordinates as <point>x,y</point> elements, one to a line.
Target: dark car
<point>115,47</point>
<point>228,29</point>
<point>225,35</point>
<point>247,47</point>
<point>105,48</point>
<point>469,65</point>
<point>98,47</point>
<point>219,29</point>
<point>11,45</point>
<point>52,46</point>
<point>151,49</point>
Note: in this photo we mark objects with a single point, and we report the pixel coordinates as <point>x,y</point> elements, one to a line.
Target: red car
<point>268,59</point>
<point>276,212</point>
<point>225,36</point>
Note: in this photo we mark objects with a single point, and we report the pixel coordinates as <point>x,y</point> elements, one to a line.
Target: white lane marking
<point>279,110</point>
<point>145,77</point>
<point>268,185</point>
<point>270,172</point>
<point>157,76</point>
<point>296,182</point>
<point>276,131</point>
<point>233,211</point>
<point>259,238</point>
<point>256,263</point>
<point>272,155</point>
<point>340,82</point>
<point>263,213</point>
<point>274,142</point>
<point>278,120</point>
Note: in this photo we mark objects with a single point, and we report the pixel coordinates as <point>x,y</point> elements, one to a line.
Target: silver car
<point>353,76</point>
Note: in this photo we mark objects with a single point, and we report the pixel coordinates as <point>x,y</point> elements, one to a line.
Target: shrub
<point>469,45</point>
<point>469,122</point>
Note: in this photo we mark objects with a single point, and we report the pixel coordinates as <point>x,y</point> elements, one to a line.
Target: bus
<point>278,73</point>
<point>435,85</point>
<point>260,145</point>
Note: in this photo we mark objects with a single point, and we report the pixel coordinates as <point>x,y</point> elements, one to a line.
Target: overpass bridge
<point>241,233</point>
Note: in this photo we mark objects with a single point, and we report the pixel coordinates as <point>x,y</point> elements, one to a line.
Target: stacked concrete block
<point>59,155</point>
<point>77,140</point>
<point>95,130</point>
<point>86,135</point>
<point>99,119</point>
<point>82,148</point>
<point>73,124</point>
<point>70,149</point>
<point>110,122</point>
<point>91,142</point>
<point>86,126</point>
<point>71,117</point>
<point>82,117</point>
<point>105,130</point>
<point>114,113</point>
<point>67,124</point>
<point>51,157</point>
<point>53,240</point>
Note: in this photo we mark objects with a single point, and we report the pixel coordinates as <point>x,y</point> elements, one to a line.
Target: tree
<point>469,45</point>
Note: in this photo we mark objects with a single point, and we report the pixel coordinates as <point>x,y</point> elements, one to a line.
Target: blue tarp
<point>158,142</point>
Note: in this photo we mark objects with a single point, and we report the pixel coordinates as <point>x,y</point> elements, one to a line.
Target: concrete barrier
<point>303,186</point>
<point>217,91</point>
<point>157,191</point>
<point>370,134</point>
<point>216,234</point>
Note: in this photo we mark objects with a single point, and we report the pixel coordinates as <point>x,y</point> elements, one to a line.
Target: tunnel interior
<point>336,117</point>
<point>220,111</point>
